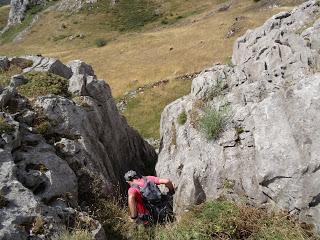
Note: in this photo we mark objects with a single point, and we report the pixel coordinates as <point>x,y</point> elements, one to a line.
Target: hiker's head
<point>130,175</point>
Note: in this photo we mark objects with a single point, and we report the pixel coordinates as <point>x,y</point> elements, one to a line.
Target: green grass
<point>218,219</point>
<point>76,235</point>
<point>44,83</point>
<point>5,127</point>
<point>144,112</point>
<point>131,15</point>
<point>213,122</point>
<point>182,118</point>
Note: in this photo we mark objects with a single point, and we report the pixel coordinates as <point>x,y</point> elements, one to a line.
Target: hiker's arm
<point>132,206</point>
<point>167,183</point>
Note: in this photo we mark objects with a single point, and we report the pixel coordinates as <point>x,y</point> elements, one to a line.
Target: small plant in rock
<point>44,83</point>
<point>213,122</point>
<point>100,42</point>
<point>38,225</point>
<point>43,127</point>
<point>182,118</point>
<point>5,127</point>
<point>229,61</point>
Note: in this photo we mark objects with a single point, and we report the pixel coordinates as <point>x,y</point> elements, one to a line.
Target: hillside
<point>185,37</point>
<point>238,135</point>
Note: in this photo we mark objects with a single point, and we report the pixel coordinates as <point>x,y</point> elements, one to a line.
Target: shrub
<point>5,127</point>
<point>44,83</point>
<point>100,42</point>
<point>182,118</point>
<point>213,122</point>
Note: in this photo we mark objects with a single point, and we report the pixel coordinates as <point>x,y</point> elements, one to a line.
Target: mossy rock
<point>44,83</point>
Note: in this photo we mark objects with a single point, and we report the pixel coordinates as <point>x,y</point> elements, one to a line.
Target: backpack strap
<point>136,186</point>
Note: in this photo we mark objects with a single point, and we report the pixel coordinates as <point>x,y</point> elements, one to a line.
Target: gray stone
<point>270,145</point>
<point>4,63</point>
<point>51,65</point>
<point>18,80</point>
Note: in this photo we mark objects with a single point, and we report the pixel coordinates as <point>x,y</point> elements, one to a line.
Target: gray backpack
<point>150,192</point>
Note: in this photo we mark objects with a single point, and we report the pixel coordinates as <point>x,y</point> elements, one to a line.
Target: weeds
<point>213,122</point>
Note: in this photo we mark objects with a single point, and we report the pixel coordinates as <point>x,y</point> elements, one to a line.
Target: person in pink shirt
<point>139,212</point>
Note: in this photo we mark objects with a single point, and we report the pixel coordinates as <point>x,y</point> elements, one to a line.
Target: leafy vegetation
<point>44,83</point>
<point>5,127</point>
<point>213,122</point>
<point>182,118</point>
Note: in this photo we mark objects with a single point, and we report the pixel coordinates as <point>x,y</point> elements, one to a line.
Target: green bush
<point>182,118</point>
<point>44,83</point>
<point>100,42</point>
<point>213,122</point>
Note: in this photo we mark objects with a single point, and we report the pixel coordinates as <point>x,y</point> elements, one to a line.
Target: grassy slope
<point>194,32</point>
<point>197,41</point>
<point>4,11</point>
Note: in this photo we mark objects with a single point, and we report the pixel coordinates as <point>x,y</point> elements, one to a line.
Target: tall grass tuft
<point>213,122</point>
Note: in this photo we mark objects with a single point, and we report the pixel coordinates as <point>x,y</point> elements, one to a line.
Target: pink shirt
<point>137,194</point>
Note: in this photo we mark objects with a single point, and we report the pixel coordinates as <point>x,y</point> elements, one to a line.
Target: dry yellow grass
<point>197,41</point>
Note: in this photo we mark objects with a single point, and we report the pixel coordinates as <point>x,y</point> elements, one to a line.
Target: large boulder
<point>59,153</point>
<point>268,151</point>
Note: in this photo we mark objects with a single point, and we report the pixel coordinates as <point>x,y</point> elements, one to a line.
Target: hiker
<point>147,204</point>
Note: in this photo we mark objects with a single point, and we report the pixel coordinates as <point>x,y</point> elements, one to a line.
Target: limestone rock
<point>19,8</point>
<point>84,141</point>
<point>268,149</point>
<point>4,63</point>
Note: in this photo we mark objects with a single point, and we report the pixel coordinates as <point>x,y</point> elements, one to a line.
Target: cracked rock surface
<point>269,149</point>
<point>57,152</point>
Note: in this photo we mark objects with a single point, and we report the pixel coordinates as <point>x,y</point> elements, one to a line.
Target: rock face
<point>19,8</point>
<point>56,152</point>
<point>73,5</point>
<point>269,149</point>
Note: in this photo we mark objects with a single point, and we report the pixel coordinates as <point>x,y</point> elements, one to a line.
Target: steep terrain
<point>249,130</point>
<point>62,143</point>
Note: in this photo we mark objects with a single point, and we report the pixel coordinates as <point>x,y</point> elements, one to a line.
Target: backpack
<point>153,200</point>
